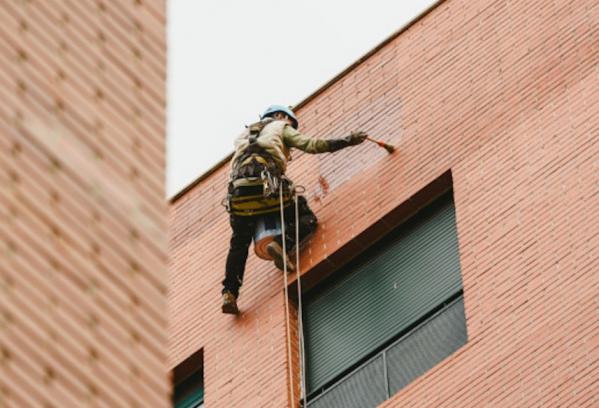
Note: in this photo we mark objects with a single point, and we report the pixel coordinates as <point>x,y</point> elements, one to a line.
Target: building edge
<point>317,92</point>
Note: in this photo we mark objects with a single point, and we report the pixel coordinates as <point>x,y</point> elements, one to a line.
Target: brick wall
<point>83,271</point>
<point>506,96</point>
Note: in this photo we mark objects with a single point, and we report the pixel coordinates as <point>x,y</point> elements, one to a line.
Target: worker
<point>257,172</point>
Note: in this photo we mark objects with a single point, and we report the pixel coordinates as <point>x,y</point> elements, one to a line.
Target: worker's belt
<point>257,158</point>
<point>250,196</point>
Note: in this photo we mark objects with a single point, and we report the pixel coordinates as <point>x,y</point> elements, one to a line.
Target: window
<point>188,379</point>
<point>388,317</point>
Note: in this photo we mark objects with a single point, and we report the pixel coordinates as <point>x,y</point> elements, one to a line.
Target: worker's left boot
<point>230,303</point>
<point>275,250</point>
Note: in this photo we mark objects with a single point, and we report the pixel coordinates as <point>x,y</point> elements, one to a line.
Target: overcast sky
<point>229,59</point>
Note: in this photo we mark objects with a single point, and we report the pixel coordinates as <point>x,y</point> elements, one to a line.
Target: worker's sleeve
<point>293,138</point>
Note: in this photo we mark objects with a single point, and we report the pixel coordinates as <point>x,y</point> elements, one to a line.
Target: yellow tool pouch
<point>246,197</point>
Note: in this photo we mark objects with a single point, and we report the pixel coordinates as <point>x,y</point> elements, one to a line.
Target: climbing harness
<point>255,179</point>
<point>299,296</point>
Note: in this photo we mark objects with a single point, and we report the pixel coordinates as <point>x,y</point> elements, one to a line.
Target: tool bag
<point>254,189</point>
<point>246,197</point>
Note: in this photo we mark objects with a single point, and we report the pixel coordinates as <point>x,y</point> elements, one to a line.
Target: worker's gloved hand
<point>356,137</point>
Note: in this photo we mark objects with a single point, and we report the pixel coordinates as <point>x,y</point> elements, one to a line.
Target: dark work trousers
<point>243,232</point>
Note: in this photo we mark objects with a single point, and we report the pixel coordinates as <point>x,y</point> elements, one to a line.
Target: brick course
<point>503,94</point>
<point>83,273</point>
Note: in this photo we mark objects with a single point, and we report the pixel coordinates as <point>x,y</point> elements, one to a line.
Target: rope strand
<point>289,356</point>
<point>300,328</point>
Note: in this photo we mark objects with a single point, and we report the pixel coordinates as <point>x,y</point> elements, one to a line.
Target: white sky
<point>229,59</point>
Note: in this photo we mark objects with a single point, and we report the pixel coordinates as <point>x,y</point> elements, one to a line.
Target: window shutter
<point>195,400</point>
<point>382,292</point>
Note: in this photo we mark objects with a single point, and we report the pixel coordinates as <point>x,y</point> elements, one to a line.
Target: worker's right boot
<point>230,303</point>
<point>275,250</point>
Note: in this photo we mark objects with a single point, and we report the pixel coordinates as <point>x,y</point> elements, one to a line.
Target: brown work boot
<point>275,250</point>
<point>229,303</point>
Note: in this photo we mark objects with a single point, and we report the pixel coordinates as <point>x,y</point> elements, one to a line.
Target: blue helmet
<point>272,109</point>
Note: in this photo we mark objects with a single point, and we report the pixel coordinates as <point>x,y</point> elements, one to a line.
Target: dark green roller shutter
<point>384,291</point>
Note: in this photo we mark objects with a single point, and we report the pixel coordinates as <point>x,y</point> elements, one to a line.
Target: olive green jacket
<point>277,138</point>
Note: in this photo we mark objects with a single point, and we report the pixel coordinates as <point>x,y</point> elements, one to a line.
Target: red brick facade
<point>83,272</point>
<point>505,95</point>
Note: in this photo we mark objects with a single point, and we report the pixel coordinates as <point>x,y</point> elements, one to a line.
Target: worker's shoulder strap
<point>253,147</point>
<point>256,128</point>
<point>254,158</point>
